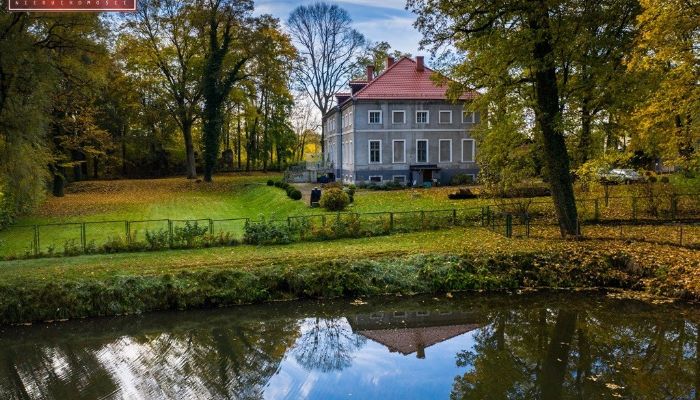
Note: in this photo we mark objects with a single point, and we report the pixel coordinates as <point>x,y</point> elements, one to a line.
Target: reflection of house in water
<point>414,331</point>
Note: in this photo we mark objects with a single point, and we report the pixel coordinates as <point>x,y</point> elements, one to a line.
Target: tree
<point>227,25</point>
<point>328,47</point>
<point>510,48</point>
<point>162,39</point>
<point>667,54</point>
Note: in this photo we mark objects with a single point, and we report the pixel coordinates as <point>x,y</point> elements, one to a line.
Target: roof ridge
<point>382,74</point>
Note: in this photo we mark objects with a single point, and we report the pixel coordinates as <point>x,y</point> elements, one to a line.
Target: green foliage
<point>158,240</point>
<point>462,179</point>
<point>294,194</point>
<point>270,182</point>
<point>334,199</point>
<point>189,235</point>
<point>267,232</point>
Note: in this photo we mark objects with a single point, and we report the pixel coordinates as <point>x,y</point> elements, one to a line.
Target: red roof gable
<point>402,81</point>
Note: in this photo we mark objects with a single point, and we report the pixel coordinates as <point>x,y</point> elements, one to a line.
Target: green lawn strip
<point>426,262</point>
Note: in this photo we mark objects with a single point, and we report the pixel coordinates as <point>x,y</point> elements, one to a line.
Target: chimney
<point>370,73</point>
<point>389,61</point>
<point>419,64</point>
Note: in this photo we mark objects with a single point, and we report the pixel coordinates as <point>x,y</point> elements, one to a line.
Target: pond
<point>546,346</point>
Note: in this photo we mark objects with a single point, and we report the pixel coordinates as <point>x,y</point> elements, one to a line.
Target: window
<point>375,117</point>
<point>398,117</point>
<point>375,179</point>
<point>445,150</point>
<point>467,150</point>
<point>467,116</point>
<point>375,151</point>
<point>422,150</point>
<point>399,151</point>
<point>399,179</point>
<point>350,119</point>
<point>421,117</point>
<point>445,117</point>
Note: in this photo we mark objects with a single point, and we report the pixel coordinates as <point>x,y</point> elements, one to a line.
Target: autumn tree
<point>162,40</point>
<point>513,48</point>
<point>667,54</point>
<point>328,47</point>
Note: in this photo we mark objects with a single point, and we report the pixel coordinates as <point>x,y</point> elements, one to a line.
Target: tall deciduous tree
<point>328,47</point>
<point>668,53</point>
<point>227,25</point>
<point>163,40</point>
<point>510,46</point>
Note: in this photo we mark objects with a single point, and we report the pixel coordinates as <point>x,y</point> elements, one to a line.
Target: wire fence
<point>666,218</point>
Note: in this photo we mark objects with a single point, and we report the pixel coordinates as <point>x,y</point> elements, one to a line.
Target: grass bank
<point>425,262</point>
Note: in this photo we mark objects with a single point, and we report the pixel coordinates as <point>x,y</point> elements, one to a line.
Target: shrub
<point>462,179</point>
<point>331,185</point>
<point>189,235</point>
<point>157,240</point>
<point>294,194</point>
<point>71,248</point>
<point>664,179</point>
<point>265,232</point>
<point>351,193</point>
<point>461,194</point>
<point>334,199</point>
<point>270,182</point>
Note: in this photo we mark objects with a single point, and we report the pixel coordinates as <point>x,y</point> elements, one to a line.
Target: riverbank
<point>425,262</point>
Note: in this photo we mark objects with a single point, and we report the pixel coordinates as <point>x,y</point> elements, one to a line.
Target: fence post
<point>83,239</point>
<point>509,225</point>
<point>170,233</point>
<point>391,221</point>
<point>674,206</point>
<point>634,208</point>
<point>36,240</point>
<point>211,226</point>
<point>289,222</point>
<point>596,215</point>
<point>527,226</point>
<point>323,220</point>
<point>454,217</point>
<point>127,226</point>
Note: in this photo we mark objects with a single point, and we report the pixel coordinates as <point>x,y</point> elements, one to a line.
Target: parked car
<point>620,175</point>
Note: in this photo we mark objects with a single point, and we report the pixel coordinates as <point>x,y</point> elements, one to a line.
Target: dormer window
<point>421,117</point>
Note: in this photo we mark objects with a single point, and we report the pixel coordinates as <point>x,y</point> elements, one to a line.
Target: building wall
<point>387,132</point>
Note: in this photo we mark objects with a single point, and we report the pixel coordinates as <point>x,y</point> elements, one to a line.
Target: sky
<point>378,20</point>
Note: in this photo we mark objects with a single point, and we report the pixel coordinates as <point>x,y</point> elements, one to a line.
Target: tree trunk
<point>213,122</point>
<point>59,184</point>
<point>551,377</point>
<point>95,167</point>
<point>238,143</point>
<point>585,141</point>
<point>191,164</point>
<point>548,119</point>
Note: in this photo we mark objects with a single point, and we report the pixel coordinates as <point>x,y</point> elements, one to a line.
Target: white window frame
<point>473,150</point>
<point>465,121</point>
<point>393,160</point>
<point>369,151</point>
<point>427,116</point>
<point>440,150</point>
<point>350,117</point>
<point>369,120</point>
<point>427,151</point>
<point>405,178</point>
<point>444,111</point>
<point>369,178</point>
<point>394,112</point>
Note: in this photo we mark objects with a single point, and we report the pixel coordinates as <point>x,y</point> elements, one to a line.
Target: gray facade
<point>383,140</point>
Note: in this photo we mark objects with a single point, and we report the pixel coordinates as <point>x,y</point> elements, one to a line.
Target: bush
<point>270,182</point>
<point>461,194</point>
<point>462,179</point>
<point>294,194</point>
<point>331,185</point>
<point>264,232</point>
<point>158,240</point>
<point>189,235</point>
<point>334,199</point>
<point>664,179</point>
<point>350,192</point>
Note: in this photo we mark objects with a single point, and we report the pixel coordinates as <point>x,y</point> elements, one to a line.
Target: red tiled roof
<point>402,81</point>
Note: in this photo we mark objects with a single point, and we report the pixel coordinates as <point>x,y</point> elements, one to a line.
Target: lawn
<point>230,196</point>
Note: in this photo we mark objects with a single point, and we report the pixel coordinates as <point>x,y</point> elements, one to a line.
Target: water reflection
<point>535,347</point>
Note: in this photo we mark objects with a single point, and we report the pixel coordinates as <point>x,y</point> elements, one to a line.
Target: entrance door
<point>427,175</point>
